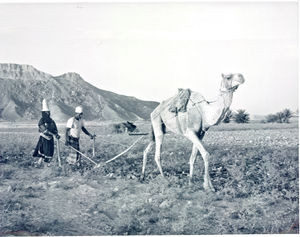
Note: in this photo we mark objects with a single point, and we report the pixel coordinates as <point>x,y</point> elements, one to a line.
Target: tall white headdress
<point>45,105</point>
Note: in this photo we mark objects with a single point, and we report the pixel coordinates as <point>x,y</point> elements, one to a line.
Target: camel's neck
<point>216,111</point>
<point>225,99</point>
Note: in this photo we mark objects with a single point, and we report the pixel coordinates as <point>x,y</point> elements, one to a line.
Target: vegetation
<point>280,117</point>
<point>241,116</point>
<point>254,171</point>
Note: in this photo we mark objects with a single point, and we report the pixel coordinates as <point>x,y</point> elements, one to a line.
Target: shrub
<point>271,118</point>
<point>280,117</point>
<point>287,114</point>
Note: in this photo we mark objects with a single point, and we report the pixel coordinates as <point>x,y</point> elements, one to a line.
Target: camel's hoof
<point>209,188</point>
<point>212,190</point>
<point>166,181</point>
<point>142,178</point>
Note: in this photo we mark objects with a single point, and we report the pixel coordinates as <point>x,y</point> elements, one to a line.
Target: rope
<point>120,144</point>
<point>113,142</point>
<point>195,104</point>
<point>124,151</point>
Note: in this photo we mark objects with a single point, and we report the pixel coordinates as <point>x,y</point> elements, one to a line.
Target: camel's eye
<point>228,76</point>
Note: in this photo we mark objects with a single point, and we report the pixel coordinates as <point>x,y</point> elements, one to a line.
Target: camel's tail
<point>152,134</point>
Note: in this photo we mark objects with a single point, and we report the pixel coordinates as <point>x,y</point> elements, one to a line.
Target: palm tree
<point>241,116</point>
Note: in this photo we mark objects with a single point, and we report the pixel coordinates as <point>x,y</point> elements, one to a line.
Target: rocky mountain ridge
<point>22,88</point>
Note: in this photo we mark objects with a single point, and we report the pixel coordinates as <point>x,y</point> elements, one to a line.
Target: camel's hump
<point>196,97</point>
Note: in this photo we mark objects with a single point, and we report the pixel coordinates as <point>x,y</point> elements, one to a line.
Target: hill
<point>22,88</point>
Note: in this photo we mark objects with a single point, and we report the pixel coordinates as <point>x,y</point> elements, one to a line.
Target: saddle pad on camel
<point>180,101</point>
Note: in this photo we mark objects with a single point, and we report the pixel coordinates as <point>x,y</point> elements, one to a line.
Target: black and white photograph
<point>149,117</point>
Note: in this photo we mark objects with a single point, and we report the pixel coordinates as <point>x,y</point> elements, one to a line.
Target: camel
<point>192,123</point>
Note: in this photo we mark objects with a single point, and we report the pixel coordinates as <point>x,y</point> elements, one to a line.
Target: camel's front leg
<point>205,155</point>
<point>192,160</point>
<point>207,182</point>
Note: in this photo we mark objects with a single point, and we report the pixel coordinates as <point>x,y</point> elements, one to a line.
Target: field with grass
<point>254,169</point>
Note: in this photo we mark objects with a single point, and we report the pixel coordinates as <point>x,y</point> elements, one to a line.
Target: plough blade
<point>137,134</point>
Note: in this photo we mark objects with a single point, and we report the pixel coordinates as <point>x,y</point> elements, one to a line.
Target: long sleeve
<point>42,127</point>
<point>52,128</point>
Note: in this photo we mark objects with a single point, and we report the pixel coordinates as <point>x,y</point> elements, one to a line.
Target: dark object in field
<point>3,160</point>
<point>124,127</point>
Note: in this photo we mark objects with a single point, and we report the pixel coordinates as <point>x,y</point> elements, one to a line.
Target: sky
<point>149,50</point>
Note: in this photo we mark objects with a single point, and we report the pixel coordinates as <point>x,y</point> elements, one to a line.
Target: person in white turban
<point>74,127</point>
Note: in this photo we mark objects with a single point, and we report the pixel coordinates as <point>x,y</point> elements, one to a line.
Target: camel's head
<point>231,82</point>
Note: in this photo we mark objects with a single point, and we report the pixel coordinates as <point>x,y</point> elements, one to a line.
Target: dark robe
<point>45,147</point>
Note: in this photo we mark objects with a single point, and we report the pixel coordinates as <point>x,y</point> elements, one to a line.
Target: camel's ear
<point>223,75</point>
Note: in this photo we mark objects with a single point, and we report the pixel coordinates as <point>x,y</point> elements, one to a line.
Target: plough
<point>97,165</point>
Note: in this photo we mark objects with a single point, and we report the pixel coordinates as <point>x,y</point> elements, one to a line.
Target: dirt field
<point>254,169</point>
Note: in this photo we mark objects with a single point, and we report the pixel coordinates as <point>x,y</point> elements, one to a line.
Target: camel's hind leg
<point>158,131</point>
<point>147,150</point>
<point>158,143</point>
<point>192,160</point>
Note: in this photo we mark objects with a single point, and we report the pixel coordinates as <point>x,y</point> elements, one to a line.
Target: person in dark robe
<point>47,129</point>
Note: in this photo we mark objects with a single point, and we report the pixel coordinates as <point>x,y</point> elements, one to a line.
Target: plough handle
<point>94,140</point>
<point>58,152</point>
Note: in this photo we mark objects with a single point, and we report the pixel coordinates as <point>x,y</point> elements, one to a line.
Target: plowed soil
<point>254,169</point>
